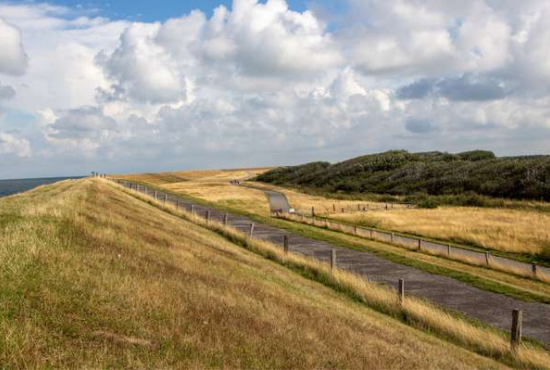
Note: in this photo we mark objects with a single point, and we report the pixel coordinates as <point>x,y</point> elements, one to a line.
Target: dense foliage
<point>435,173</point>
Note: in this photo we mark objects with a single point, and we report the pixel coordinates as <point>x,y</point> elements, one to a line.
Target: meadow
<point>214,186</point>
<point>93,277</point>
<point>508,230</point>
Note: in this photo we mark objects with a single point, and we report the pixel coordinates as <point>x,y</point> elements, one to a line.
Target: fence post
<point>392,237</point>
<point>355,230</point>
<point>192,209</point>
<point>156,195</point>
<point>285,244</point>
<point>225,217</point>
<point>165,198</point>
<point>419,244</point>
<point>326,223</point>
<point>487,257</point>
<point>534,270</point>
<point>207,216</point>
<point>449,250</point>
<point>312,211</point>
<point>251,232</point>
<point>371,234</point>
<point>401,291</point>
<point>515,339</point>
<point>334,208</point>
<point>333,259</point>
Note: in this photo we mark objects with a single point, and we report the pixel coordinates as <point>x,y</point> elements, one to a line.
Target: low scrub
<point>449,176</point>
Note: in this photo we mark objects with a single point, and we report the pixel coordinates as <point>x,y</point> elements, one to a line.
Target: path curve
<point>278,202</point>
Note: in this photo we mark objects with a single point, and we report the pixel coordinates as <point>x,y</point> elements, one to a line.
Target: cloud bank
<point>260,83</point>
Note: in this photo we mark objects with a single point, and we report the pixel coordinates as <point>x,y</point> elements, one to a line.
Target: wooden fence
<point>485,259</point>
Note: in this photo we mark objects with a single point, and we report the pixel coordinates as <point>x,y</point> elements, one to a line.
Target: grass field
<point>92,277</point>
<point>253,201</point>
<point>414,312</point>
<point>508,230</point>
<point>213,186</point>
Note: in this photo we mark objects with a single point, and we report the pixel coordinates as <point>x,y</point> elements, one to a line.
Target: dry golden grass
<point>91,277</point>
<point>303,202</point>
<point>509,230</point>
<point>213,186</point>
<point>418,313</point>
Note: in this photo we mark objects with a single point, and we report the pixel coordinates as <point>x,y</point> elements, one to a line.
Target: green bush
<point>471,178</point>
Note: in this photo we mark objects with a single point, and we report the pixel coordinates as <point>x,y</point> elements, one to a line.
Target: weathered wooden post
<point>156,195</point>
<point>333,264</point>
<point>392,237</point>
<point>401,291</point>
<point>534,269</point>
<point>208,214</point>
<point>177,204</point>
<point>165,198</point>
<point>285,244</point>
<point>515,339</point>
<point>334,208</point>
<point>192,209</point>
<point>487,257</point>
<point>225,217</point>
<point>312,211</point>
<point>355,230</point>
<point>251,233</point>
<point>449,250</point>
<point>419,244</point>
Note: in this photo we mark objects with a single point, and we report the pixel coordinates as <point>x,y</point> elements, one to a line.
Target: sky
<point>125,86</point>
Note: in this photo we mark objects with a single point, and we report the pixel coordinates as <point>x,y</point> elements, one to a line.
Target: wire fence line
<point>449,251</point>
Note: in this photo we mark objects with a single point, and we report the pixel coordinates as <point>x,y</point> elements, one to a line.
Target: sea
<point>9,187</point>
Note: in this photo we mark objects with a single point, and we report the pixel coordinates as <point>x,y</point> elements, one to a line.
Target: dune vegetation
<point>398,172</point>
<point>92,277</point>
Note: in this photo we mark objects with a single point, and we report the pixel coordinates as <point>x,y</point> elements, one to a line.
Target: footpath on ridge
<point>491,308</point>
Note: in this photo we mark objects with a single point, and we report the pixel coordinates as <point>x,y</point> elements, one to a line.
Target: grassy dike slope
<point>92,277</point>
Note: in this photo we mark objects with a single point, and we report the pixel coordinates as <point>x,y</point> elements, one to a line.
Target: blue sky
<point>149,11</point>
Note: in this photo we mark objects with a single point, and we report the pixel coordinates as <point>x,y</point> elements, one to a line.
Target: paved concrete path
<point>277,201</point>
<point>491,308</point>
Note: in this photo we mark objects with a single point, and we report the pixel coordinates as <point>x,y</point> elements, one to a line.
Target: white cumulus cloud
<point>13,59</point>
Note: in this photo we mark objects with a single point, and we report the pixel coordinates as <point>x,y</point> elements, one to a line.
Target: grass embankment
<point>91,277</point>
<point>415,312</point>
<point>224,196</point>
